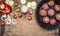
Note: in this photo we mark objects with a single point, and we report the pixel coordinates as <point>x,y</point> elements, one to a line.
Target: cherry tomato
<point>14,16</point>
<point>15,4</point>
<point>2,23</point>
<point>29,17</point>
<point>19,14</point>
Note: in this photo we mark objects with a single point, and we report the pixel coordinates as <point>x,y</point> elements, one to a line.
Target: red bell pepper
<point>7,8</point>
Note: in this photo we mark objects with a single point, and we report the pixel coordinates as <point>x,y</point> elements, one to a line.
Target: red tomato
<point>19,14</point>
<point>15,4</point>
<point>29,17</point>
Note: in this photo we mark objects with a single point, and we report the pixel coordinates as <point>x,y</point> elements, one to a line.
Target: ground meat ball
<point>58,16</point>
<point>57,7</point>
<point>46,19</point>
<point>51,3</point>
<point>43,13</point>
<point>51,12</point>
<point>52,21</point>
<point>45,6</point>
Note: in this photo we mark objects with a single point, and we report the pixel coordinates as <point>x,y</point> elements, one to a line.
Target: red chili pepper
<point>7,8</point>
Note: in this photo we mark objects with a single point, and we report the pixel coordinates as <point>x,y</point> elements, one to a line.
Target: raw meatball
<point>45,6</point>
<point>57,7</point>
<point>52,21</point>
<point>43,13</point>
<point>46,19</point>
<point>51,12</point>
<point>58,16</point>
<point>51,3</point>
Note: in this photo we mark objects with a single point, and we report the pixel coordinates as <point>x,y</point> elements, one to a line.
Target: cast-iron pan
<point>39,18</point>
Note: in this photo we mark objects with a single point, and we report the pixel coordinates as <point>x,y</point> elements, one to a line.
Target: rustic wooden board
<point>25,27</point>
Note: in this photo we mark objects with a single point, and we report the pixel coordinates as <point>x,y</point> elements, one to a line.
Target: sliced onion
<point>29,4</point>
<point>7,1</point>
<point>9,16</point>
<point>3,17</point>
<point>8,21</point>
<point>14,21</point>
<point>11,3</point>
<point>33,5</point>
<point>23,1</point>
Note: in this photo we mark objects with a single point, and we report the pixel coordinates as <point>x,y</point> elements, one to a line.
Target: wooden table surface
<point>24,27</point>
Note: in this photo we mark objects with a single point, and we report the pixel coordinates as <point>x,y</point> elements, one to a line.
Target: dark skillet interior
<point>39,18</point>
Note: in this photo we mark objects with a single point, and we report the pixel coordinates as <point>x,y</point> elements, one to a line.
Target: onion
<point>2,6</point>
<point>29,4</point>
<point>24,9</point>
<point>8,21</point>
<point>33,4</point>
<point>10,2</point>
<point>3,17</point>
<point>23,1</point>
<point>14,21</point>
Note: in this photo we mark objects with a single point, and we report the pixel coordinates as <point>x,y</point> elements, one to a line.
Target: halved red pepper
<point>7,8</point>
